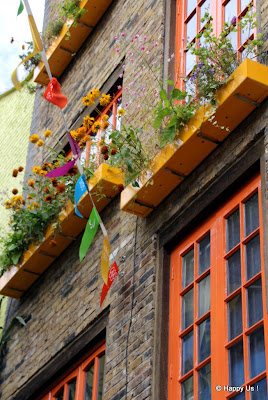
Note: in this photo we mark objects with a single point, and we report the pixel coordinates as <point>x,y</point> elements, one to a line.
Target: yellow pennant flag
<point>105,259</point>
<point>37,47</point>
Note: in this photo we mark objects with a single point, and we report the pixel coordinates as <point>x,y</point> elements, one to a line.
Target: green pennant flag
<point>21,8</point>
<point>90,232</point>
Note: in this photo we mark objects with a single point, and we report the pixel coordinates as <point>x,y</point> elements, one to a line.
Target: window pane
<point>204,255</point>
<point>204,296</point>
<point>89,383</point>
<point>240,396</point>
<point>188,268</point>
<point>236,364</point>
<point>60,395</point>
<point>191,4</point>
<point>233,272</point>
<point>188,389</point>
<point>187,353</point>
<point>256,353</point>
<point>260,392</point>
<point>191,28</point>
<point>187,309</point>
<point>190,60</point>
<point>204,340</point>
<point>71,390</point>
<point>101,375</point>
<point>232,230</point>
<point>245,33</point>
<point>254,296</point>
<point>233,39</point>
<point>253,257</point>
<point>204,383</point>
<point>251,214</point>
<point>230,10</point>
<point>205,7</point>
<point>234,317</point>
<point>244,4</point>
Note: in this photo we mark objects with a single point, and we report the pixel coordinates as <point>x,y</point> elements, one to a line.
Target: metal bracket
<point>175,173</point>
<point>208,139</point>
<point>144,205</point>
<point>254,103</point>
<point>31,272</point>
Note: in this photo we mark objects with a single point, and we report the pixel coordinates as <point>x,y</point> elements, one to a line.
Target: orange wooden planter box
<point>246,89</point>
<point>60,53</point>
<point>35,260</point>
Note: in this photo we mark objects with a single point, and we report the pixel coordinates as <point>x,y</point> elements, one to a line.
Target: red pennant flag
<point>54,95</point>
<point>113,271</point>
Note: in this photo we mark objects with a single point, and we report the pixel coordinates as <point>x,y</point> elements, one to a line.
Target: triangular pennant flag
<point>80,189</point>
<point>21,8</point>
<point>113,271</point>
<point>37,47</point>
<point>74,146</point>
<point>54,95</point>
<point>90,232</point>
<point>55,173</point>
<point>105,259</point>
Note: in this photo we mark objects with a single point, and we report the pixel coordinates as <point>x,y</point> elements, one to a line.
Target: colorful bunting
<point>54,95</point>
<point>55,173</point>
<point>90,232</point>
<point>74,146</point>
<point>113,271</point>
<point>21,8</point>
<point>80,189</point>
<point>105,259</point>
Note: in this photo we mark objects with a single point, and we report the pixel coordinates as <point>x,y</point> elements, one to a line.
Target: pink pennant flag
<point>113,271</point>
<point>74,146</point>
<point>55,173</point>
<point>54,95</point>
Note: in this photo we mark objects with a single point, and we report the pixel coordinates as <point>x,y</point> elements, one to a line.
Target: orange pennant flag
<point>105,259</point>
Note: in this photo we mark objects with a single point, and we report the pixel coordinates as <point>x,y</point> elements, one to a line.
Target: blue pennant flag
<point>80,189</point>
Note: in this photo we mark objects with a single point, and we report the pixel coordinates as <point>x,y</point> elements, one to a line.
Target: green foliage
<point>4,337</point>
<point>33,61</point>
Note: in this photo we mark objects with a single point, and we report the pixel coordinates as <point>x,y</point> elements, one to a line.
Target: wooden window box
<point>60,53</point>
<point>38,257</point>
<point>248,86</point>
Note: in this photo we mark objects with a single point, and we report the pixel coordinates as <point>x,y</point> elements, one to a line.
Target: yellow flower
<point>47,133</point>
<point>121,112</point>
<point>43,172</point>
<point>81,132</point>
<point>36,170</point>
<point>35,205</point>
<point>31,182</point>
<point>105,117</point>
<point>34,138</point>
<point>74,135</point>
<point>104,125</point>
<point>40,143</point>
<point>105,99</point>
<point>95,93</point>
<point>87,101</point>
<point>86,138</point>
<point>88,121</point>
<point>96,126</point>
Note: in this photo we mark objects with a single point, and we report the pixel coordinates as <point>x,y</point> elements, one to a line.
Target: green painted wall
<point>16,109</point>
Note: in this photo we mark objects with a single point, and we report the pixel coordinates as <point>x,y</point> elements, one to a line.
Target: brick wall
<point>65,300</point>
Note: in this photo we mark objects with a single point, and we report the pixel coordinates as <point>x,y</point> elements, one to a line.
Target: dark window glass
<point>60,395</point>
<point>232,230</point>
<point>188,268</point>
<point>233,272</point>
<point>204,255</point>
<point>240,396</point>
<point>260,392</point>
<point>187,352</point>
<point>204,340</point>
<point>204,296</point>
<point>253,257</point>
<point>236,364</point>
<point>234,317</point>
<point>256,353</point>
<point>254,297</point>
<point>71,390</point>
<point>100,377</point>
<point>204,383</point>
<point>89,383</point>
<point>251,214</point>
<point>188,309</point>
<point>187,388</point>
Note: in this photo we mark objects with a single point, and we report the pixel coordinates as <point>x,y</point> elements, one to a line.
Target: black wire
<point>132,304</point>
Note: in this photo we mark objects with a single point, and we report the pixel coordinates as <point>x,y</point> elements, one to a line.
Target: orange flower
<point>31,183</point>
<point>47,133</point>
<point>104,149</point>
<point>20,169</point>
<point>15,191</point>
<point>73,171</point>
<point>61,188</point>
<point>15,173</point>
<point>48,199</point>
<point>54,182</point>
<point>34,138</point>
<point>113,152</point>
<point>105,157</point>
<point>46,190</point>
<point>40,143</point>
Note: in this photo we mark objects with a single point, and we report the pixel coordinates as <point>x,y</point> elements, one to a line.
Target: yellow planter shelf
<point>35,260</point>
<point>246,89</point>
<point>71,38</point>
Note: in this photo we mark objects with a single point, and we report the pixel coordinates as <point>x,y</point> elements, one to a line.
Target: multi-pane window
<point>85,382</point>
<point>189,24</point>
<point>218,326</point>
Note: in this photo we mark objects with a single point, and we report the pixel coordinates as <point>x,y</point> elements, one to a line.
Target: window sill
<point>71,38</point>
<point>248,87</point>
<point>35,260</point>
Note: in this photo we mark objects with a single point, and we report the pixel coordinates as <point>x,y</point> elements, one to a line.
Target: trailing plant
<point>4,336</point>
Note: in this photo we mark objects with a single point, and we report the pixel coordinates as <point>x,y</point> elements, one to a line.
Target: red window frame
<point>78,373</point>
<point>217,10</point>
<point>220,342</point>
